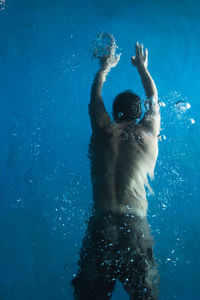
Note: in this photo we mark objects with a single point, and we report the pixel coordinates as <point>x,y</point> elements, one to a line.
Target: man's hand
<point>140,59</point>
<point>109,61</point>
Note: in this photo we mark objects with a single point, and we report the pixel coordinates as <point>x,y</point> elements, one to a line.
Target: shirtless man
<point>118,243</point>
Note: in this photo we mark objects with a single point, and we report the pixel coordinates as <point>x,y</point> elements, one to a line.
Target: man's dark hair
<point>127,107</point>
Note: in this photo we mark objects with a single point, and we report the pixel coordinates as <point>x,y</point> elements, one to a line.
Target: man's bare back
<point>123,153</point>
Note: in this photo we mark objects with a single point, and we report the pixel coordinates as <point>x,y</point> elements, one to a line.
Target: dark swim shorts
<point>116,246</point>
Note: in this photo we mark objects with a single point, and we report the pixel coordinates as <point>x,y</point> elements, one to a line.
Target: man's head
<point>127,107</point>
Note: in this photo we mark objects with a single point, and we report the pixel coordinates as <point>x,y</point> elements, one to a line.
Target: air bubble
<point>162,104</point>
<point>182,106</point>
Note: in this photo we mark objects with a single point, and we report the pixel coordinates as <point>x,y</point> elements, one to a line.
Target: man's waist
<point>137,208</point>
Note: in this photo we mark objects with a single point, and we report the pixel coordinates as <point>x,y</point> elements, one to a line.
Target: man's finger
<point>133,60</point>
<point>146,53</point>
<point>137,51</point>
<point>141,49</point>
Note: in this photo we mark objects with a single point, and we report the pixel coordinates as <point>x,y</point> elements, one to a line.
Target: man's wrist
<point>142,68</point>
<point>105,69</point>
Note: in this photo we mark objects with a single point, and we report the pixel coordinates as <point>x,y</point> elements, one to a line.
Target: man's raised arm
<point>152,115</point>
<point>98,114</point>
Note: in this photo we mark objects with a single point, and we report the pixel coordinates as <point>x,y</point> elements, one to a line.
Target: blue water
<point>45,191</point>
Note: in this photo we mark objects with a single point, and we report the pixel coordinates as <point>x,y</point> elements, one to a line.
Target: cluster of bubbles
<point>174,112</point>
<point>68,210</point>
<point>173,184</point>
<point>2,4</point>
<point>35,142</point>
<point>104,47</point>
<point>182,106</point>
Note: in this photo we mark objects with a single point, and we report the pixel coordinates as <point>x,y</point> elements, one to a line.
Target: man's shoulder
<point>117,130</point>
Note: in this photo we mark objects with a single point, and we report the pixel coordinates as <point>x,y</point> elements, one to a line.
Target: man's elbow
<point>154,96</point>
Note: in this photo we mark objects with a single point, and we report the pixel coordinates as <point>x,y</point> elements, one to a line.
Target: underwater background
<point>46,74</point>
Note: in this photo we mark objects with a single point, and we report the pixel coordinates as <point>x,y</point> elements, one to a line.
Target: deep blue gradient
<point>45,190</point>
